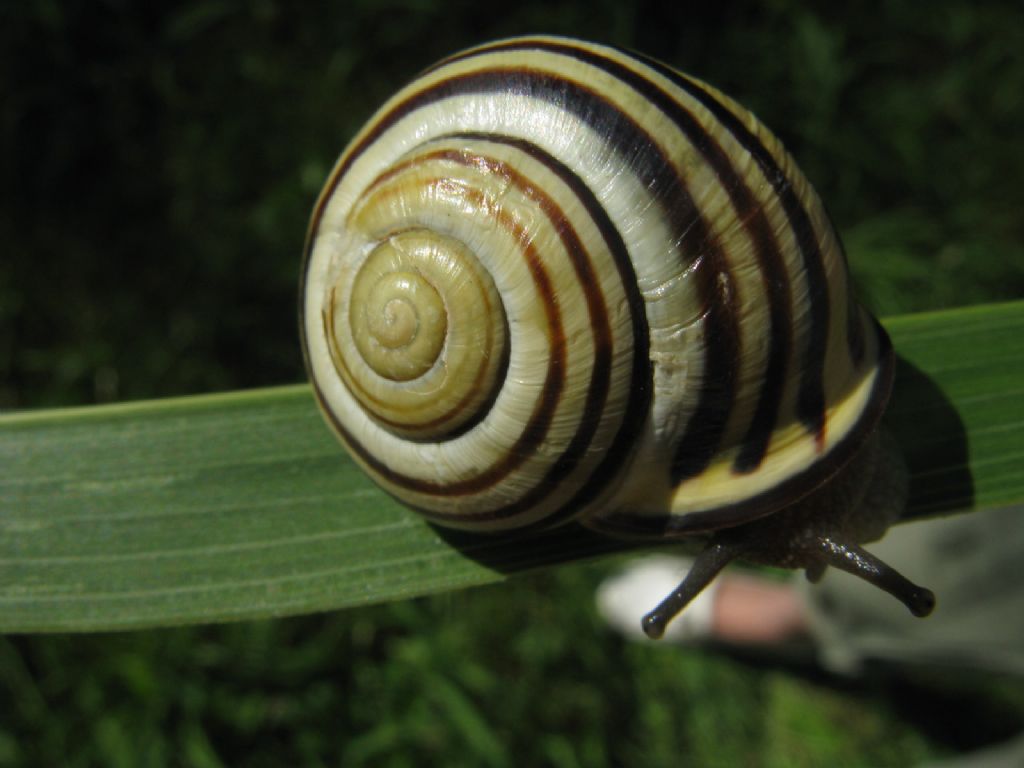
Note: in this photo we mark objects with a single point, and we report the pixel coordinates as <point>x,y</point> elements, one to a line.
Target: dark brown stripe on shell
<point>775,278</point>
<point>699,442</point>
<point>794,488</point>
<point>715,285</point>
<point>600,327</point>
<point>641,378</point>
<point>811,396</point>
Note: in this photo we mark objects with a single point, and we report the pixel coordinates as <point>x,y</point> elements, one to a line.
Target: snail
<point>551,280</point>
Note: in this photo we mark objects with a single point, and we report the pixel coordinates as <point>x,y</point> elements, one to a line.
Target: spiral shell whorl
<point>398,320</point>
<point>498,411</point>
<point>419,336</point>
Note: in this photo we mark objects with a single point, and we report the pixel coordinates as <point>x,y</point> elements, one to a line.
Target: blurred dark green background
<point>156,171</point>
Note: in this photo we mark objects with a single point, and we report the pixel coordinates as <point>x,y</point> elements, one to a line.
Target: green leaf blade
<point>243,505</point>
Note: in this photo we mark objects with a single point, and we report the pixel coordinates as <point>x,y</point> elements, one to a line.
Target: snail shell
<point>550,280</point>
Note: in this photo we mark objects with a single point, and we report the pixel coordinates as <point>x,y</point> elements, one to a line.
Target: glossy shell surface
<point>552,280</point>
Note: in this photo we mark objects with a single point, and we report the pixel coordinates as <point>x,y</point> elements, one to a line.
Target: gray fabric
<point>975,565</point>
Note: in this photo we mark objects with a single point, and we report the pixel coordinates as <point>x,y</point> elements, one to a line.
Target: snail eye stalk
<point>813,552</point>
<point>709,563</point>
<point>920,601</point>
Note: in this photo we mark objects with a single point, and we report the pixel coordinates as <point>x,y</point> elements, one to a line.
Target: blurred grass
<point>157,167</point>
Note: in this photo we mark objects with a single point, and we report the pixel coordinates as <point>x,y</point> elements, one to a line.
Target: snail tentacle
<point>856,560</point>
<point>717,554</point>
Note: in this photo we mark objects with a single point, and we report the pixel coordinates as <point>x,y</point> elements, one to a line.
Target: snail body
<point>553,281</point>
